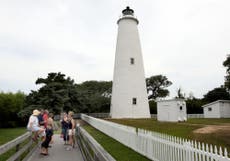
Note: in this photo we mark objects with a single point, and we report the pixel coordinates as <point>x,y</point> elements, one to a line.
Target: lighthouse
<point>129,93</point>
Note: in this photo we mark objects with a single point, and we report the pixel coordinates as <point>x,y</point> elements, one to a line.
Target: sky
<point>185,40</point>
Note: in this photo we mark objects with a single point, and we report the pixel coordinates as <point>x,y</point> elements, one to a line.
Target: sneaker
<point>68,148</point>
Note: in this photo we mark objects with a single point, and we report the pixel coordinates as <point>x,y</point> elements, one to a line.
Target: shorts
<point>35,129</point>
<point>72,132</point>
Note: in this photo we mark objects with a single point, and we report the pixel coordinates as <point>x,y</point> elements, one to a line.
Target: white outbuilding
<point>217,109</point>
<point>173,110</point>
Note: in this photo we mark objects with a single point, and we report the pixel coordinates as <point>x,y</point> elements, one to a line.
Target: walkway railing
<point>20,150</point>
<point>91,150</point>
<point>157,146</point>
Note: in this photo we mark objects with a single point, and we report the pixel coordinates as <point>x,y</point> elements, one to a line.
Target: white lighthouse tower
<point>129,94</point>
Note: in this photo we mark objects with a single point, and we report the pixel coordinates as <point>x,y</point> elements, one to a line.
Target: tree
<point>97,94</point>
<point>57,94</point>
<point>216,94</point>
<point>32,101</point>
<point>226,63</point>
<point>97,86</point>
<point>153,107</point>
<point>156,86</point>
<point>194,105</point>
<point>10,105</point>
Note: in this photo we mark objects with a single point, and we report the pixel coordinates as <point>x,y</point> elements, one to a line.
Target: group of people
<point>41,124</point>
<point>68,125</point>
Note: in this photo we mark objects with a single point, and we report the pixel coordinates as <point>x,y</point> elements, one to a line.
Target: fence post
<point>17,149</point>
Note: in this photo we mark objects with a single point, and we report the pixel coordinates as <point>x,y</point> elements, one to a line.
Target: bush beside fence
<point>156,146</point>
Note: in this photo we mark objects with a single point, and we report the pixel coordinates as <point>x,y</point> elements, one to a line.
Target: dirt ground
<point>214,134</point>
<point>213,129</point>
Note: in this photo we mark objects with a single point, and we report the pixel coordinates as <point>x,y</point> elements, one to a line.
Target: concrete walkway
<point>58,152</point>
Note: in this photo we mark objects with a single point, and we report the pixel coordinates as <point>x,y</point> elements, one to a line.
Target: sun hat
<point>36,112</point>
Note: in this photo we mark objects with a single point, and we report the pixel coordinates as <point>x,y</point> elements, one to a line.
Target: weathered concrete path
<point>58,152</point>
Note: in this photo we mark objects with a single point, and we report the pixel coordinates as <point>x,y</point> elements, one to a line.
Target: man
<point>33,125</point>
<point>41,121</point>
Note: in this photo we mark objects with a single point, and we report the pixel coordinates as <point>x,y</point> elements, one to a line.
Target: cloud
<point>185,40</point>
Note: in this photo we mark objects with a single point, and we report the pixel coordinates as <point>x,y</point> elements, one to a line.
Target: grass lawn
<point>209,121</point>
<point>113,147</point>
<point>184,130</point>
<point>7,135</point>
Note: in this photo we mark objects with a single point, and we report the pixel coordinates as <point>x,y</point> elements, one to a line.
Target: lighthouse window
<point>131,61</point>
<point>134,101</point>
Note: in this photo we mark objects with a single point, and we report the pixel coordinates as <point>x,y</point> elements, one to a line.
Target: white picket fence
<point>157,146</point>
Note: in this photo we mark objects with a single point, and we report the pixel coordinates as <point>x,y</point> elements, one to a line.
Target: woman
<point>48,139</point>
<point>45,117</point>
<point>50,120</point>
<point>71,129</point>
<point>33,125</point>
<point>65,127</point>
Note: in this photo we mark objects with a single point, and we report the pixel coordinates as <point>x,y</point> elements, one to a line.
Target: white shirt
<point>33,122</point>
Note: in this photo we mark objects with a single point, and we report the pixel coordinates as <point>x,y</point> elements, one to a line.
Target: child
<point>45,143</point>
